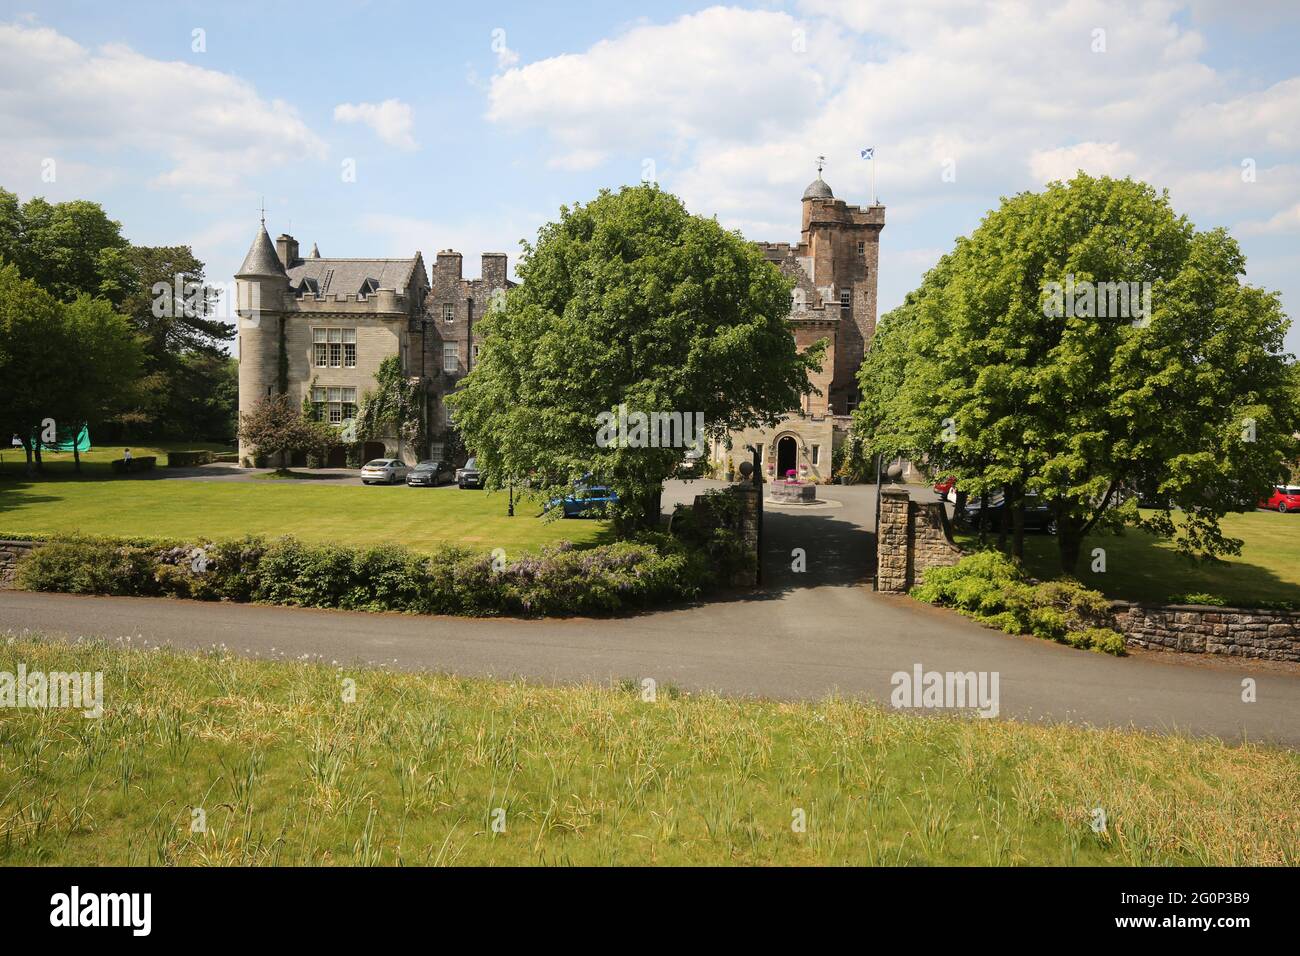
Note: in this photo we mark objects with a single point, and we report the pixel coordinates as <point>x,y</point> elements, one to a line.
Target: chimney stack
<point>286,247</point>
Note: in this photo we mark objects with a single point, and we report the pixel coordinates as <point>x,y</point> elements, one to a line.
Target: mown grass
<point>421,519</point>
<point>417,769</point>
<point>95,461</point>
<point>1142,567</point>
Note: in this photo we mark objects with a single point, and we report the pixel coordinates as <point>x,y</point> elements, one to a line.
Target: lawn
<point>95,462</point>
<point>429,769</point>
<point>186,509</point>
<point>1141,567</point>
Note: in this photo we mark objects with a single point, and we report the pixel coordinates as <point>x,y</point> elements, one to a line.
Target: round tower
<point>261,285</point>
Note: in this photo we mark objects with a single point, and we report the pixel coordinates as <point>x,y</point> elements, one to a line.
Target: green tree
<point>628,300</point>
<point>276,428</point>
<point>101,366</point>
<point>1035,385</point>
<point>68,248</point>
<point>34,346</point>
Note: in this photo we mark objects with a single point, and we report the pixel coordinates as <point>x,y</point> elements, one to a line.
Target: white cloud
<point>391,120</point>
<point>211,130</point>
<point>1012,93</point>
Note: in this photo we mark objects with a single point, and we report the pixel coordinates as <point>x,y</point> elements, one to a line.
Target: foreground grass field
<point>1141,567</point>
<point>95,462</point>
<point>419,518</point>
<point>425,769</point>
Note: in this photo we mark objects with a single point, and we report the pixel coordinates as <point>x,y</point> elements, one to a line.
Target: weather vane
<point>821,161</point>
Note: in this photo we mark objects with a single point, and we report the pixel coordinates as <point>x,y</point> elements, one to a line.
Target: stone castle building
<point>834,269</point>
<point>317,329</point>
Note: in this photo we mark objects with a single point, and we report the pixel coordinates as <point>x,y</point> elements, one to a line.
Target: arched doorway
<point>787,454</point>
<point>372,450</point>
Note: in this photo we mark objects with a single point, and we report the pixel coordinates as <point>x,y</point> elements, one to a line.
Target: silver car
<point>387,471</point>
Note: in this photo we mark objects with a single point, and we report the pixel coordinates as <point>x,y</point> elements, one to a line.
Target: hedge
<point>561,580</point>
<point>188,459</point>
<point>991,588</point>
<point>121,466</point>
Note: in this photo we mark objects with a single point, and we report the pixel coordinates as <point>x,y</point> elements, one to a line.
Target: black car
<point>426,474</point>
<point>1038,516</point>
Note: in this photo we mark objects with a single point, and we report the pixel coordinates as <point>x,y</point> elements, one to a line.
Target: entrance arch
<point>372,450</point>
<point>787,456</point>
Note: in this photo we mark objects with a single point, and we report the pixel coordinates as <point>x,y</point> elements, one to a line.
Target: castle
<point>834,298</point>
<point>317,329</point>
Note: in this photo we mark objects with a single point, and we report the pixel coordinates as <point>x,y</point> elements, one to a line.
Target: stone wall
<point>913,536</point>
<point>1205,629</point>
<point>11,552</point>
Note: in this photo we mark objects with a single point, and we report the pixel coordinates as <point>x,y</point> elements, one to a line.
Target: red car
<point>1285,498</point>
<point>944,485</point>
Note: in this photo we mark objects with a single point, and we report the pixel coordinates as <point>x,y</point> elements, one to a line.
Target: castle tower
<point>261,285</point>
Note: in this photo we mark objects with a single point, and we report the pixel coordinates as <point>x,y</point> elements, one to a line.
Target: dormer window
<point>368,287</point>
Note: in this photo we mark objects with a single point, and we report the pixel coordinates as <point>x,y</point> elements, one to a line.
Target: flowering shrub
<point>561,580</point>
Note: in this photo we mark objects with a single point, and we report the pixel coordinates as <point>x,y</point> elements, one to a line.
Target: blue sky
<point>469,125</point>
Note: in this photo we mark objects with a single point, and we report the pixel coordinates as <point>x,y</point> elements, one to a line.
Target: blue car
<point>586,501</point>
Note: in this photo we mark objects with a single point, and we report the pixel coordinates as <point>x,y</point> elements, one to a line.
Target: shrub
<point>562,580</point>
<point>121,466</point>
<point>1198,597</point>
<point>992,589</point>
<point>188,459</point>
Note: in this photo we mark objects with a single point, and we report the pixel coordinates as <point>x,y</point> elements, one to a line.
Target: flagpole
<point>873,178</point>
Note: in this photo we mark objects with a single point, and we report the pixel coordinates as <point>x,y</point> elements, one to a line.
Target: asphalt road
<point>811,634</point>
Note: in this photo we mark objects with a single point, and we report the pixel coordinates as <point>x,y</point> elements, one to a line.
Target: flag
<point>868,152</point>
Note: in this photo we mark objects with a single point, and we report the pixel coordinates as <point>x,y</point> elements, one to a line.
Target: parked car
<point>425,474</point>
<point>387,471</point>
<point>945,485</point>
<point>586,501</point>
<point>1038,516</point>
<point>469,476</point>
<point>1284,498</point>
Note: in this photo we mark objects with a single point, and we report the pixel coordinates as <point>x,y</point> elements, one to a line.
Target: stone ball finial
<point>746,469</point>
<point>894,472</point>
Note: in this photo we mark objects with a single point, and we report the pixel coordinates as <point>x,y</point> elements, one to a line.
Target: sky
<point>377,129</point>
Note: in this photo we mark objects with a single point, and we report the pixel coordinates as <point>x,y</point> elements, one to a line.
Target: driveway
<point>808,635</point>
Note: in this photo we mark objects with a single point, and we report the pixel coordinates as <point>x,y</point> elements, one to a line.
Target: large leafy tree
<point>628,300</point>
<point>1192,402</point>
<point>73,248</point>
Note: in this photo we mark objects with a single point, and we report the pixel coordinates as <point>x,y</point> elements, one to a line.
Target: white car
<point>388,471</point>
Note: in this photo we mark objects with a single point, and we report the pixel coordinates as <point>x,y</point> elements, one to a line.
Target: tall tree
<point>1087,341</point>
<point>628,300</point>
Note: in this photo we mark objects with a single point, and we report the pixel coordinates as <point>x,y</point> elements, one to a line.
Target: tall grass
<point>421,769</point>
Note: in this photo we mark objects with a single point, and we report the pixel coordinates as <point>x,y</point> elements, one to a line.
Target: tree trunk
<point>1005,520</point>
<point>1018,519</point>
<point>27,451</point>
<point>1069,542</point>
<point>40,465</point>
<point>984,518</point>
<point>76,455</point>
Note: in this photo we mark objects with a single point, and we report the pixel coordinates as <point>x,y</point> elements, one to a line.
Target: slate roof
<point>262,259</point>
<point>350,276</point>
<point>817,189</point>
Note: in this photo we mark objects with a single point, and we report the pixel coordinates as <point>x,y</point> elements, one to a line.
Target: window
<point>448,312</point>
<point>435,451</point>
<point>473,351</point>
<point>334,404</point>
<point>846,300</point>
<point>816,454</point>
<point>335,348</point>
<point>450,356</point>
<point>862,248</point>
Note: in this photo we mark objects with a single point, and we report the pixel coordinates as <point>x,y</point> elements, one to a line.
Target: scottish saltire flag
<point>868,152</point>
